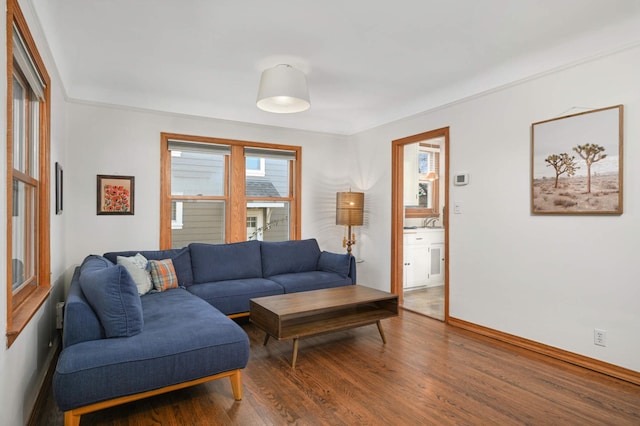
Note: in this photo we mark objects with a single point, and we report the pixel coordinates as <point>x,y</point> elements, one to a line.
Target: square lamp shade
<point>349,208</point>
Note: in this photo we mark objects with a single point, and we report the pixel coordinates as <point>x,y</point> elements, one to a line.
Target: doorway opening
<point>420,234</point>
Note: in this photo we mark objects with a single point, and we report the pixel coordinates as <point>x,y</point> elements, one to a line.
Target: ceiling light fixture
<point>431,176</point>
<point>283,89</point>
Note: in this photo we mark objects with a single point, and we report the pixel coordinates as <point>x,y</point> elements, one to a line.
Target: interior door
<point>403,215</point>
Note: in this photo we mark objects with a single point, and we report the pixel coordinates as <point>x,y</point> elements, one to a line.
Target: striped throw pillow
<point>163,275</point>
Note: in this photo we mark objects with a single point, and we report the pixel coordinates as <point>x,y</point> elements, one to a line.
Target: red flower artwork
<point>116,198</point>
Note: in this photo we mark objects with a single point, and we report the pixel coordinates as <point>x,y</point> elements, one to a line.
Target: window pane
<point>274,183</point>
<point>197,173</point>
<point>19,126</point>
<point>425,195</point>
<point>176,214</point>
<point>34,136</point>
<point>252,222</point>
<point>424,162</point>
<point>268,221</point>
<point>198,221</point>
<point>26,130</point>
<point>253,163</point>
<point>254,166</point>
<point>23,233</point>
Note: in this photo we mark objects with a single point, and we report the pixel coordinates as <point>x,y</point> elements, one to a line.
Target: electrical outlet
<point>599,337</point>
<point>59,315</point>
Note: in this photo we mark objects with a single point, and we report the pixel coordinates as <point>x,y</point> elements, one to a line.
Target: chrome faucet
<point>429,221</point>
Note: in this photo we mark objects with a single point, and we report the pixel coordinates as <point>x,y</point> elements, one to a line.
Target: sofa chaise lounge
<point>120,346</point>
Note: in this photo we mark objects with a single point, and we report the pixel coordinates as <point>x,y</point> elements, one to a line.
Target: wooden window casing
<point>235,187</point>
<point>23,303</point>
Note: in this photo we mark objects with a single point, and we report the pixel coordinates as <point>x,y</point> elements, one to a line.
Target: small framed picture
<point>115,195</point>
<point>59,188</point>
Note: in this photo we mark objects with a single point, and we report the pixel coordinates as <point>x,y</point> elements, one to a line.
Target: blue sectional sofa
<point>229,275</point>
<point>119,346</point>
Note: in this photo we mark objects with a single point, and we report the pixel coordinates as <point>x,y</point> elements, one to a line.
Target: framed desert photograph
<point>576,163</point>
<point>115,195</point>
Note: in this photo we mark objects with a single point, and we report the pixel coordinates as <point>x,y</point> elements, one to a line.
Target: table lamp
<point>349,212</point>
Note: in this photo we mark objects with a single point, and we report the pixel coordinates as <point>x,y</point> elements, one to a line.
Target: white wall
<point>551,279</point>
<point>118,141</point>
<point>89,140</point>
<point>24,364</point>
<point>509,270</point>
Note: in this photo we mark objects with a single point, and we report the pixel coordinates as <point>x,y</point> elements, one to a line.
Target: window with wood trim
<point>220,191</point>
<point>28,261</point>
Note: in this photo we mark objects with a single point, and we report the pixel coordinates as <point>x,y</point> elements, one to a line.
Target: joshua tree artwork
<point>562,164</point>
<point>576,164</point>
<point>590,153</point>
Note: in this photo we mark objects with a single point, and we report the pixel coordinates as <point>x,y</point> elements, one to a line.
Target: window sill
<point>23,313</point>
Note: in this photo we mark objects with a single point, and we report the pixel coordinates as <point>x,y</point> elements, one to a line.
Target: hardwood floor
<point>428,373</point>
<point>428,301</point>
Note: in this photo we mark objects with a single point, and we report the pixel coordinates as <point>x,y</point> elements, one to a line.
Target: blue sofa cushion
<point>287,257</point>
<point>333,262</point>
<point>181,259</point>
<point>314,280</point>
<point>113,295</point>
<point>220,262</point>
<point>84,324</point>
<point>94,262</point>
<point>184,339</point>
<point>232,297</point>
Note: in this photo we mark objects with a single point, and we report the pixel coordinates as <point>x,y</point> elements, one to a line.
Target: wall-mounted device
<point>461,179</point>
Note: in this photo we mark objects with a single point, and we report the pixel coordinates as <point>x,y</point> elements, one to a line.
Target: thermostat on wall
<point>461,179</point>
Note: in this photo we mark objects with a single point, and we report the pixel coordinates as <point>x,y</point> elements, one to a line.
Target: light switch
<point>457,207</point>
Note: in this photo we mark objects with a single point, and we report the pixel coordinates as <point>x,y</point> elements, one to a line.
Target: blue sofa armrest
<point>342,264</point>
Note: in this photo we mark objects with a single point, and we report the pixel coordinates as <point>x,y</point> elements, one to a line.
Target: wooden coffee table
<point>308,313</point>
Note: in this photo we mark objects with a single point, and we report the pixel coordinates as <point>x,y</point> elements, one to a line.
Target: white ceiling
<point>368,62</point>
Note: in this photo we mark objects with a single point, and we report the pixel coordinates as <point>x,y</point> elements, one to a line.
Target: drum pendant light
<point>283,89</point>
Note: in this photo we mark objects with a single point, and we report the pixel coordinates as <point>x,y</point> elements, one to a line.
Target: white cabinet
<point>411,176</point>
<point>416,260</point>
<point>423,263</point>
<point>436,264</point>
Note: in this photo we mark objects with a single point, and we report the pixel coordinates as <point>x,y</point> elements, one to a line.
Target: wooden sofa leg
<point>236,384</point>
<point>71,419</point>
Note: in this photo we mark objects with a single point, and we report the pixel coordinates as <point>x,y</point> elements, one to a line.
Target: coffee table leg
<point>295,352</point>
<point>384,340</point>
<point>266,339</point>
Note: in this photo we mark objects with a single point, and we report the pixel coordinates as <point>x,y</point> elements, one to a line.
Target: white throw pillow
<point>137,268</point>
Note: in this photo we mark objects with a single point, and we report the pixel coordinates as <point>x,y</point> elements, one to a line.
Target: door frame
<point>397,208</point>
